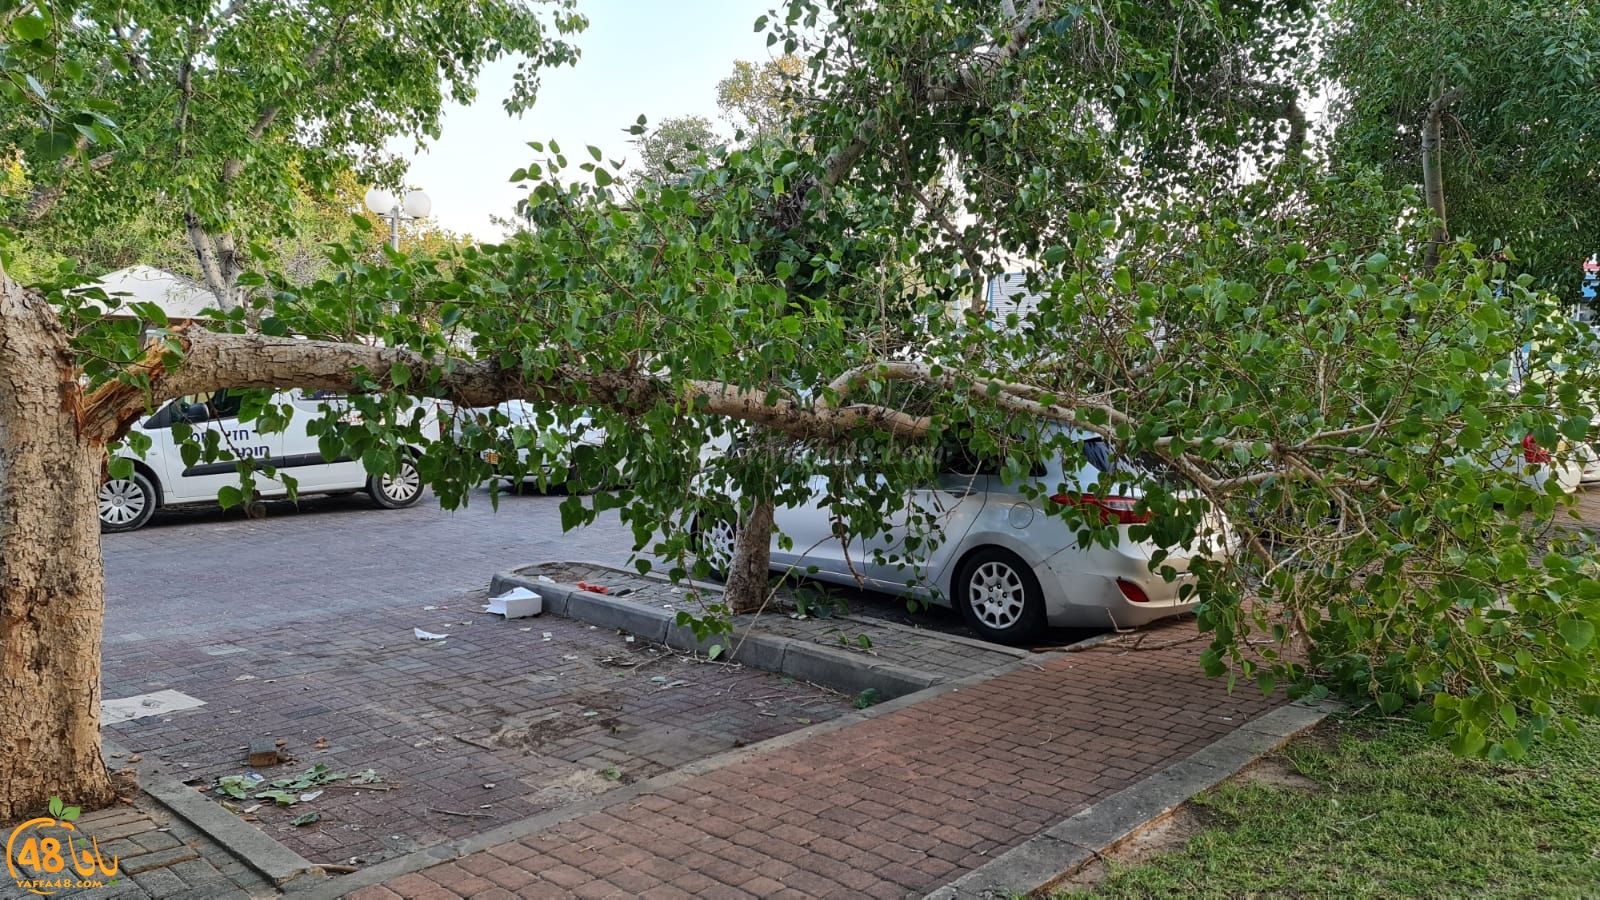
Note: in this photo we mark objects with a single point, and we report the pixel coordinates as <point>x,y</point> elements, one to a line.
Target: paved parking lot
<point>497,722</point>
<point>201,573</point>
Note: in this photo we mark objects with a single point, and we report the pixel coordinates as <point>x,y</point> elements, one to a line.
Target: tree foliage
<point>1519,146</point>
<point>762,100</point>
<point>672,148</point>
<point>211,117</point>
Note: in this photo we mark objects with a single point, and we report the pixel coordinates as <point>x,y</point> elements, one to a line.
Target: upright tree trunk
<point>218,258</point>
<point>52,586</point>
<point>746,590</point>
<point>1433,169</point>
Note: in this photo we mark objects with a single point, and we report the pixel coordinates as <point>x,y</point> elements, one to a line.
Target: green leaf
<point>399,374</point>
<point>229,496</point>
<point>56,807</point>
<point>70,814</point>
<point>306,819</point>
<point>362,223</point>
<point>120,468</point>
<point>33,28</point>
<point>714,651</point>
<point>602,177</point>
<point>1577,633</point>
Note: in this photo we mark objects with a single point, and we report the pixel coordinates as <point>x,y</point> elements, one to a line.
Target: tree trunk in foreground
<point>746,590</point>
<point>52,586</point>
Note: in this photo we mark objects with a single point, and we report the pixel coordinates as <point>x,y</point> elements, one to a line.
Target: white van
<point>161,478</point>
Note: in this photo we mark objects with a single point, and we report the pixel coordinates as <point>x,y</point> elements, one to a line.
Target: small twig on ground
<point>472,743</point>
<point>337,868</point>
<point>361,787</point>
<point>464,815</point>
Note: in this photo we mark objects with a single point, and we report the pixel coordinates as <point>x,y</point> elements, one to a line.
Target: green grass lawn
<point>1392,814</point>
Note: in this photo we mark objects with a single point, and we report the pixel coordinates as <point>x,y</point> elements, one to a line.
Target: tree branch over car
<point>784,324</point>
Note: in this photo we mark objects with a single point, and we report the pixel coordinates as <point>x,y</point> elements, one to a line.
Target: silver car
<point>557,439</point>
<point>1009,567</point>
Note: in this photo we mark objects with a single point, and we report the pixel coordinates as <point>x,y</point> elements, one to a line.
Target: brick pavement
<point>894,806</point>
<point>494,724</point>
<point>158,855</point>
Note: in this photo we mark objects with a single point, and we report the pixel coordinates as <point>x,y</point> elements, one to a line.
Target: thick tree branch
<point>212,361</point>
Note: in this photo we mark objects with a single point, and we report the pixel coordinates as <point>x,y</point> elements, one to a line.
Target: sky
<point>652,57</point>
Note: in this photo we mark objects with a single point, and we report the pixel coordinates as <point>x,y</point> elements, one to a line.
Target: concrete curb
<point>449,851</point>
<point>1055,854</point>
<point>250,845</point>
<point>844,672</point>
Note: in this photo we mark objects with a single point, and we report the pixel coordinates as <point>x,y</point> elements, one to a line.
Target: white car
<point>161,478</point>
<point>1009,567</point>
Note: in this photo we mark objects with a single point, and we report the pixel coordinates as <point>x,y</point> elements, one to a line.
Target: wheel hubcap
<point>121,501</point>
<point>997,595</point>
<point>720,538</point>
<point>404,485</point>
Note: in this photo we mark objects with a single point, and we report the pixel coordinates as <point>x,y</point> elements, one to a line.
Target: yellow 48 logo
<point>49,854</point>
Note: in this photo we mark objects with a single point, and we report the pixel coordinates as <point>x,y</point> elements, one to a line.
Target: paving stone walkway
<point>160,855</point>
<point>894,806</point>
<point>502,720</point>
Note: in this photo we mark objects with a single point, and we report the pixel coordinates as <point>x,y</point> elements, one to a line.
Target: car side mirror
<point>197,412</point>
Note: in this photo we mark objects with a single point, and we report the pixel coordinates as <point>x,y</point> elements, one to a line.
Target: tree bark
<point>52,586</point>
<point>218,260</point>
<point>746,590</point>
<point>1433,170</point>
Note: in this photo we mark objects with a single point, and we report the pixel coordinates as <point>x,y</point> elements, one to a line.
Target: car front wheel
<point>397,491</point>
<point>1000,598</point>
<point>126,503</point>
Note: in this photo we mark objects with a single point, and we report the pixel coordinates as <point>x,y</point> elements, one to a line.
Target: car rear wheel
<point>999,597</point>
<point>397,491</point>
<point>715,544</point>
<point>126,503</point>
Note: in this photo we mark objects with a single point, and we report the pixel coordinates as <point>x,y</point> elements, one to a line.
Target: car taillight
<point>1112,510</point>
<point>1132,591</point>
<point>1532,452</point>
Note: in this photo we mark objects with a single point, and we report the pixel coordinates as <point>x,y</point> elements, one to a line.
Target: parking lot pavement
<point>205,572</point>
<point>500,721</point>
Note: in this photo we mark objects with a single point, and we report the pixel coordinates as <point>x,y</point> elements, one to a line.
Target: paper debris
<point>546,579</point>
<point>428,635</point>
<point>309,796</point>
<point>548,635</point>
<point>517,603</point>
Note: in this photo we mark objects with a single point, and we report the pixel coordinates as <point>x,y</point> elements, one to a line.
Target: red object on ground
<point>593,588</point>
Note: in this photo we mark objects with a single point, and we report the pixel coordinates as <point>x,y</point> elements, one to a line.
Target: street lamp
<point>416,205</point>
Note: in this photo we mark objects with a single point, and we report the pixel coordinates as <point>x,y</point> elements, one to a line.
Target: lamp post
<point>387,205</point>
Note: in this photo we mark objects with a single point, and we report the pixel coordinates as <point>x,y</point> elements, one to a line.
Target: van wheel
<point>999,597</point>
<point>126,503</point>
<point>397,491</point>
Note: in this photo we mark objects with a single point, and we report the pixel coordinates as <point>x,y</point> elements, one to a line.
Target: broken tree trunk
<point>52,591</point>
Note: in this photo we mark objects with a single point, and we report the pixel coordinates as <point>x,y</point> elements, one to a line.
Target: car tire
<point>397,491</point>
<point>714,544</point>
<point>999,597</point>
<point>126,504</point>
